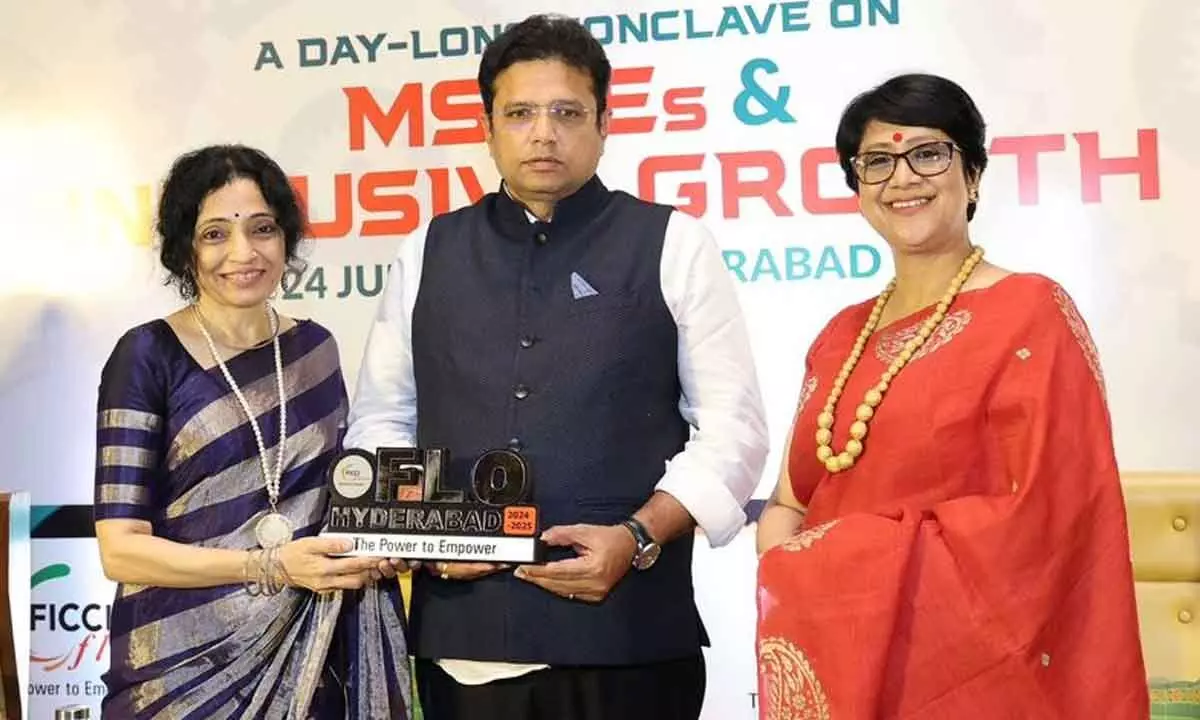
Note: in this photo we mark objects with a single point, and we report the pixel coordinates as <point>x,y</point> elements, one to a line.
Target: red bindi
<point>897,137</point>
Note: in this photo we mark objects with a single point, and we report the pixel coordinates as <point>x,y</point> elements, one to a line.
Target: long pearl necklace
<point>836,462</point>
<point>273,529</point>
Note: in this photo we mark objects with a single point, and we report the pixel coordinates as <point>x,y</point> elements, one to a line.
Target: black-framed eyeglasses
<point>927,159</point>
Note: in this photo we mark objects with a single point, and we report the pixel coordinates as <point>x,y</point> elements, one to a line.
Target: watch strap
<point>640,535</point>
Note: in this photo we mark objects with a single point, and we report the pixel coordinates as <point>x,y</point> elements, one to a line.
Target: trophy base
<point>447,548</point>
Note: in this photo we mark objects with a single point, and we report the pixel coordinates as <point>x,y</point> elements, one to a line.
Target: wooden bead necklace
<point>836,462</point>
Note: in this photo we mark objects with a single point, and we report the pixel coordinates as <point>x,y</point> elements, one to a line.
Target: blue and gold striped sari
<point>174,449</point>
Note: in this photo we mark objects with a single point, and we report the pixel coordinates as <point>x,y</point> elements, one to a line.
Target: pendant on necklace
<point>273,530</point>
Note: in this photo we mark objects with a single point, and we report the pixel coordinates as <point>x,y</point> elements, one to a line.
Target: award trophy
<point>391,503</point>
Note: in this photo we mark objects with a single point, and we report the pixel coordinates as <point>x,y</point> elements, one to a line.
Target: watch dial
<point>647,557</point>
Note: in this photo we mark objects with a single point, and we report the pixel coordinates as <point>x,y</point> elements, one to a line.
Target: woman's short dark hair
<point>917,100</point>
<point>196,174</point>
<point>546,37</point>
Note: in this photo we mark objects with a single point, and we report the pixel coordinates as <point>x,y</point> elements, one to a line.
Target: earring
<point>973,195</point>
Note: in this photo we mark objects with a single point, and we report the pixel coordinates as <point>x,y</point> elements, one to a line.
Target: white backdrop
<point>96,99</point>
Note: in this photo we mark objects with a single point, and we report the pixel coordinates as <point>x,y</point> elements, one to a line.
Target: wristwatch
<point>647,550</point>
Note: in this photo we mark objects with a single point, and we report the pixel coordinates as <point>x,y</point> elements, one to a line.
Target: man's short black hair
<point>546,37</point>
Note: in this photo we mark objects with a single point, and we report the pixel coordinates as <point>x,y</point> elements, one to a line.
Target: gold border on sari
<point>122,494</point>
<point>125,419</point>
<point>791,688</point>
<point>128,456</point>
<point>225,414</point>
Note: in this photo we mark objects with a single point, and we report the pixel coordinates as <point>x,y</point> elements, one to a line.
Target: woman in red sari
<point>947,538</point>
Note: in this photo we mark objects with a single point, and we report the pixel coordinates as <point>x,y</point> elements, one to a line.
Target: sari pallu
<point>174,449</point>
<point>975,561</point>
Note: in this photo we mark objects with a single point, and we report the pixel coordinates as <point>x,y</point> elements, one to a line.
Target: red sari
<point>974,564</point>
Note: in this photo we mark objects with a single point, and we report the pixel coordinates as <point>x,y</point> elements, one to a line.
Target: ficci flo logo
<point>77,632</point>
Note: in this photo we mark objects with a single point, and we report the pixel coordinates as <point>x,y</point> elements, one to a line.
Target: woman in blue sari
<point>216,427</point>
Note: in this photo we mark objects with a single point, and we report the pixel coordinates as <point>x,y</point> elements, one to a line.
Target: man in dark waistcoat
<point>600,336</point>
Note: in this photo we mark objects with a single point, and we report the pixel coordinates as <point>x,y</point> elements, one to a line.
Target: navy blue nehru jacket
<point>608,347</point>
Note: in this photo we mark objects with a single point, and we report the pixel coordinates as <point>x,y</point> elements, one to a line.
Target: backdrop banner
<point>727,111</point>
